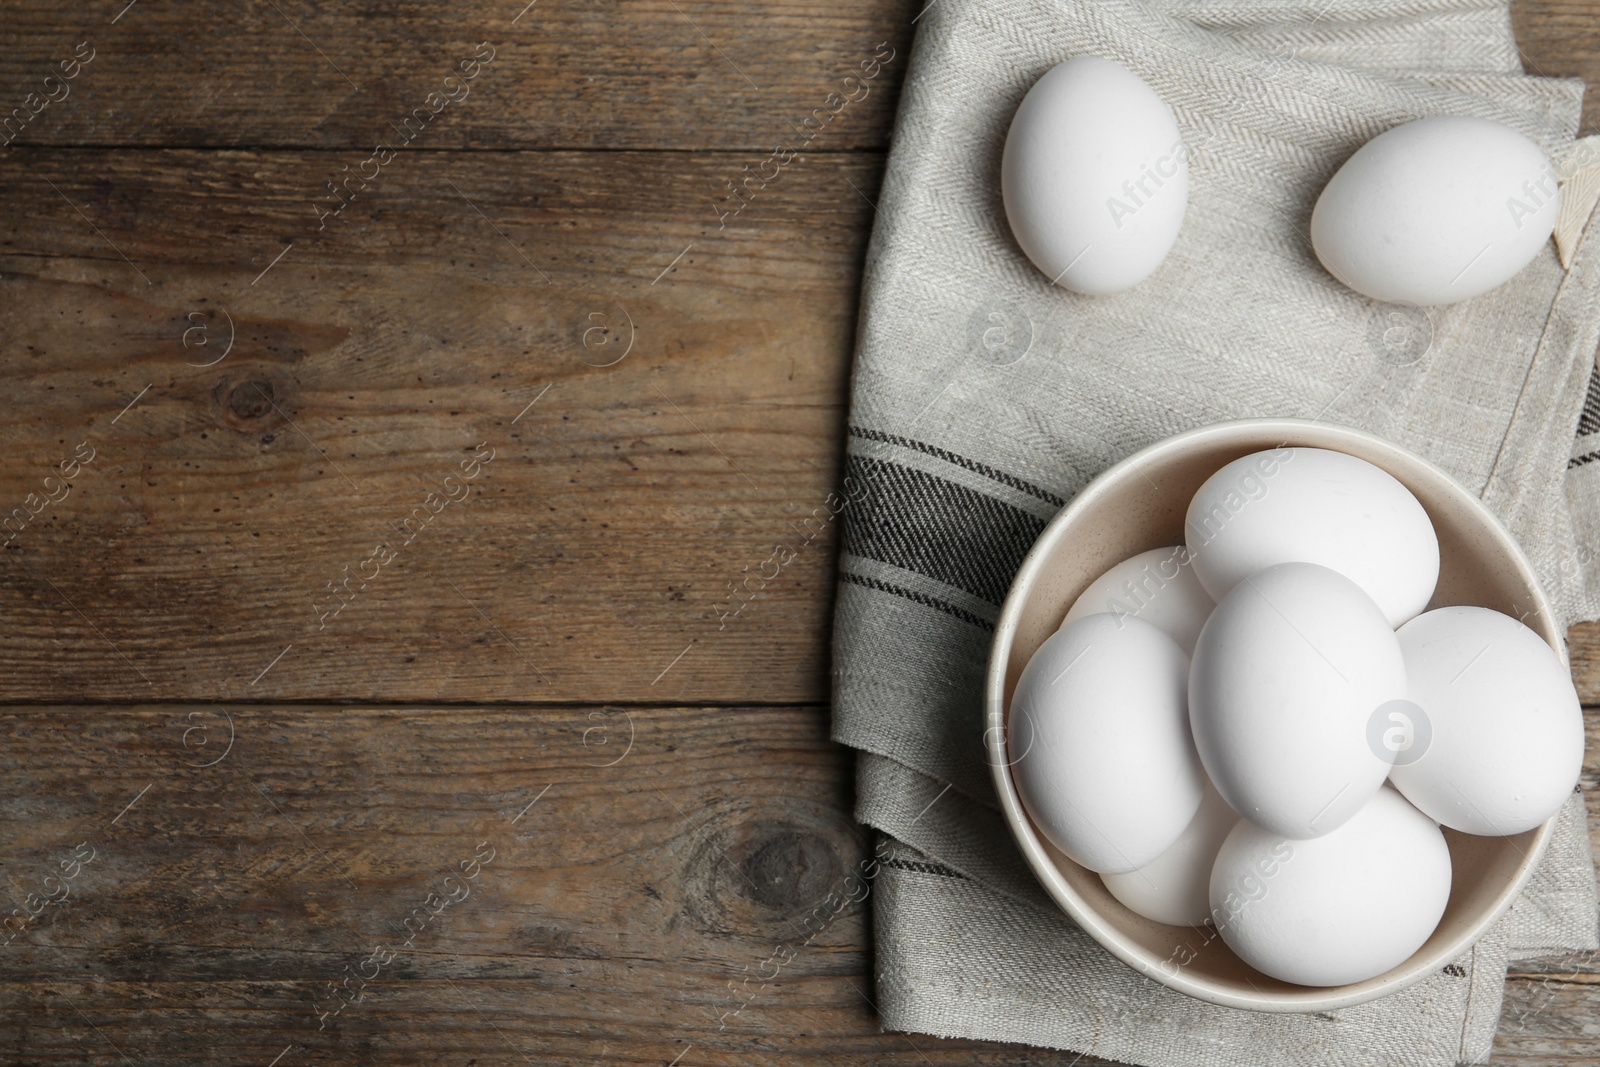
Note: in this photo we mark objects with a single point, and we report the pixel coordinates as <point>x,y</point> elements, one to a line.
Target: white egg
<point>1312,505</point>
<point>1436,211</point>
<point>1499,744</point>
<point>1099,742</point>
<point>1175,887</point>
<point>1288,671</point>
<point>1343,908</point>
<point>1095,176</point>
<point>1157,586</point>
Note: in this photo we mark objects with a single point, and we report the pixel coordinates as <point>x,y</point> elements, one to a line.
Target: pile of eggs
<point>1263,729</point>
<point>1095,180</point>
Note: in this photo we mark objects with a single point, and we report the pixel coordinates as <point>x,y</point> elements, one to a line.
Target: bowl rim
<point>1301,999</point>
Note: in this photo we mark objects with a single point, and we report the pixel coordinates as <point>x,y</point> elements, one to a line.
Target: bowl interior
<point>1139,505</point>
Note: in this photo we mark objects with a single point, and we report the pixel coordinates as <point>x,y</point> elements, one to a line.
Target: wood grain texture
<point>567,210</point>
<point>1549,1002</point>
<point>599,542</point>
<point>1547,1017</point>
<point>604,74</point>
<point>639,864</point>
<point>1561,39</point>
<point>367,364</point>
<point>1583,647</point>
<point>666,853</point>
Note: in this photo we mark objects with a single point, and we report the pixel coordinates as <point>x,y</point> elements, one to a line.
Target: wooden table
<point>368,696</point>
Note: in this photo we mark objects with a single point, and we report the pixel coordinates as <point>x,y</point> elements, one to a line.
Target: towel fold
<point>984,399</point>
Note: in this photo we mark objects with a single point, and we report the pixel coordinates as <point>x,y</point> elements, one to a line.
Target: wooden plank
<point>693,74</point>
<point>608,940</point>
<point>663,401</point>
<point>1547,1017</point>
<point>1583,648</point>
<point>667,74</point>
<point>636,866</point>
<point>645,862</point>
<point>1561,39</point>
<point>611,526</point>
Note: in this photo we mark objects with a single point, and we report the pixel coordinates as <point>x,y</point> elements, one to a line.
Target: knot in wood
<point>251,400</point>
<point>791,869</point>
<point>249,404</point>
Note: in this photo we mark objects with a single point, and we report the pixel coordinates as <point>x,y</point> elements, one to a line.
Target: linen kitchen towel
<point>984,398</point>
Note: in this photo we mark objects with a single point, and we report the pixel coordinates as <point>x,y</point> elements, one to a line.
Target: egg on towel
<point>1436,211</point>
<point>1094,176</point>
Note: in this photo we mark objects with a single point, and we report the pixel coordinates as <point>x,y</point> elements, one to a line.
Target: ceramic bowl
<point>1139,504</point>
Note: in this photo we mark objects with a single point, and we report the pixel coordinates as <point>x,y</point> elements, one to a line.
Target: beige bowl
<point>1139,504</point>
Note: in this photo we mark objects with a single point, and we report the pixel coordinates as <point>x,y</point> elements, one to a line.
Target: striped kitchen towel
<point>984,398</point>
